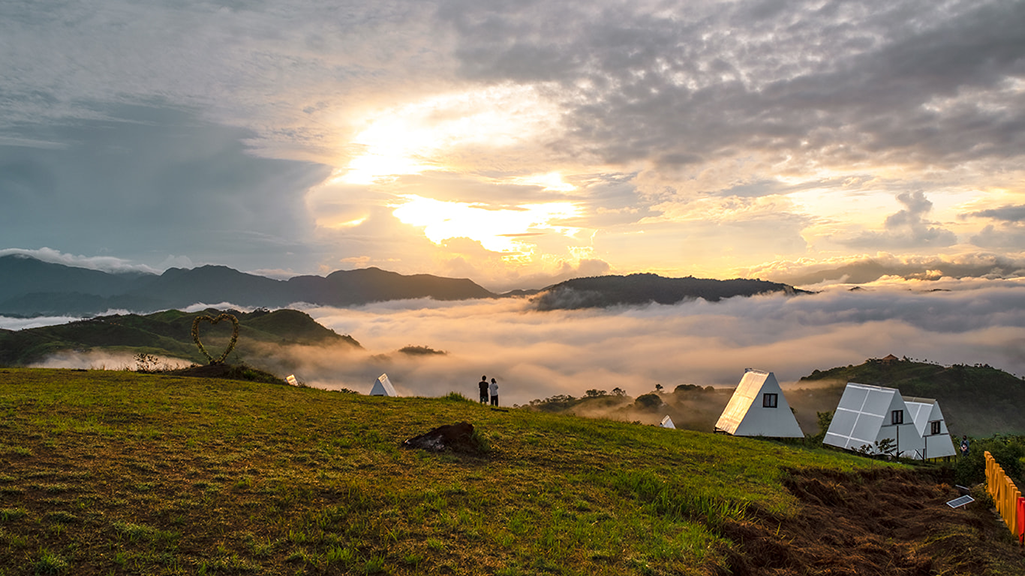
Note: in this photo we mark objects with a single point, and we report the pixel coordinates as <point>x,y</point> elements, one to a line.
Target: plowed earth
<point>886,522</point>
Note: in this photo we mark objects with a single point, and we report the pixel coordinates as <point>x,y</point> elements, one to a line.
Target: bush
<point>1008,451</point>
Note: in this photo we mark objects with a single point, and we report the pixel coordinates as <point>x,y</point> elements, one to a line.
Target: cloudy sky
<point>516,143</point>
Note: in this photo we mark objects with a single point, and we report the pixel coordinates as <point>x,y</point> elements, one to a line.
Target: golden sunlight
<point>413,138</point>
<point>501,230</point>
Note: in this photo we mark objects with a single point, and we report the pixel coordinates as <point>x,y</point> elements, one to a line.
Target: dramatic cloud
<point>700,137</point>
<point>862,269</point>
<point>907,228</point>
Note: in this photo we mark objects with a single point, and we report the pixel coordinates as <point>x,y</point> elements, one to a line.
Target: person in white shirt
<point>494,392</point>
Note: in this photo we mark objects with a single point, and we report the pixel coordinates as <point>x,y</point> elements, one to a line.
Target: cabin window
<point>935,427</point>
<point>769,400</point>
<point>897,417</point>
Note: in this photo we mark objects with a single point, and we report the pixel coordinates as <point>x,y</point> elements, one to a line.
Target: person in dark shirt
<point>483,385</point>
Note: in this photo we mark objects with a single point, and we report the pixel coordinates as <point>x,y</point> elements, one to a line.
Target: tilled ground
<point>884,521</point>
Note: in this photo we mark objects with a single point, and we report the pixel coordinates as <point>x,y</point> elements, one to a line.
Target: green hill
<point>114,472</point>
<point>167,333</point>
<point>976,400</point>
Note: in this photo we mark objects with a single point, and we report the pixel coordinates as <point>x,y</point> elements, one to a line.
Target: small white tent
<point>870,414</point>
<point>758,408</point>
<point>383,387</point>
<point>931,426</point>
<point>667,422</point>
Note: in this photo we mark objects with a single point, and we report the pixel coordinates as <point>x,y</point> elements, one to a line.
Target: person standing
<point>483,385</point>
<point>494,392</point>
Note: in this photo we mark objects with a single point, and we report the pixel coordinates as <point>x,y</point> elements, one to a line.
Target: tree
<point>595,393</point>
<point>618,391</point>
<point>658,387</point>
<point>648,401</point>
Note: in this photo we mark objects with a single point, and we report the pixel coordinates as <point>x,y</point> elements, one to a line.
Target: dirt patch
<point>876,522</point>
<point>450,437</point>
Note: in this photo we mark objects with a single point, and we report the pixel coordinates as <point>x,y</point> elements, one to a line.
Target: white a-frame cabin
<point>868,415</point>
<point>933,428</point>
<point>758,408</point>
<point>383,387</point>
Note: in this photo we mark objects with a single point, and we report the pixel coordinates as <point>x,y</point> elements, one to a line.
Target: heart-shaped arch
<point>211,320</point>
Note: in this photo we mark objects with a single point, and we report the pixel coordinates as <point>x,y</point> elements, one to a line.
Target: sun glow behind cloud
<point>416,137</point>
<point>498,230</point>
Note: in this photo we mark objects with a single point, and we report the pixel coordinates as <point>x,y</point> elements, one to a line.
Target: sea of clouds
<point>540,354</point>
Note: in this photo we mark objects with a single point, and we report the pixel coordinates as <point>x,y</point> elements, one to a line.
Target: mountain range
<point>32,287</point>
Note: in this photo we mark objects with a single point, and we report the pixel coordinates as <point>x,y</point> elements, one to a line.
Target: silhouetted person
<point>483,385</point>
<point>494,392</point>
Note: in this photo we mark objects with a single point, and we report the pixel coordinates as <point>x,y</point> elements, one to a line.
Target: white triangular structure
<point>667,422</point>
<point>759,408</point>
<point>931,426</point>
<point>383,387</point>
<point>868,415</point>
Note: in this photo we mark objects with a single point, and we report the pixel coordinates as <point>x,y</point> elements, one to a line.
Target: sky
<point>518,143</point>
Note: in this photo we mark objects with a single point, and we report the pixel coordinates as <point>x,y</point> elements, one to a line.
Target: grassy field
<point>105,472</point>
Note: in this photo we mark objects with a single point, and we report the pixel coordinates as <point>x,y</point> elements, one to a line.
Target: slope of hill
<point>117,472</point>
<point>167,333</point>
<point>976,400</point>
<point>637,289</point>
<point>33,288</point>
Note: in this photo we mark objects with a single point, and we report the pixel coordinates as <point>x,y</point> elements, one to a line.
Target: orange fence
<point>1008,499</point>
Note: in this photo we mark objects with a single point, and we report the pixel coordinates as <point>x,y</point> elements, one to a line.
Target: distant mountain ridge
<point>31,287</point>
<point>638,289</point>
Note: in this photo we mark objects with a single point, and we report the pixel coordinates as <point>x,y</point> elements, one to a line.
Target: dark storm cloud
<point>150,182</point>
<point>688,82</point>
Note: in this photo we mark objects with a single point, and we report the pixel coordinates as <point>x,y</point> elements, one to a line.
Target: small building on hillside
<point>759,408</point>
<point>870,418</point>
<point>383,387</point>
<point>932,427</point>
<point>667,422</point>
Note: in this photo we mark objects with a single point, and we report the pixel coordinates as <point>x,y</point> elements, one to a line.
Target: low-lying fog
<point>541,354</point>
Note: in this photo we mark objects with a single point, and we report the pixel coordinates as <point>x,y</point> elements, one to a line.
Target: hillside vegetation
<point>124,473</point>
<point>975,400</point>
<point>167,333</point>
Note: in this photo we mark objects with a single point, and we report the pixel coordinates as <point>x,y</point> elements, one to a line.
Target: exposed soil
<point>885,522</point>
<point>450,437</point>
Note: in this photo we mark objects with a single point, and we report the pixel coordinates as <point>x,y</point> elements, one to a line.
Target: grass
<point>124,473</point>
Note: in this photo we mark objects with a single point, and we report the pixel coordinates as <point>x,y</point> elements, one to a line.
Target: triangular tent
<point>758,408</point>
<point>383,387</point>
<point>667,422</point>
<point>931,426</point>
<point>870,414</point>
